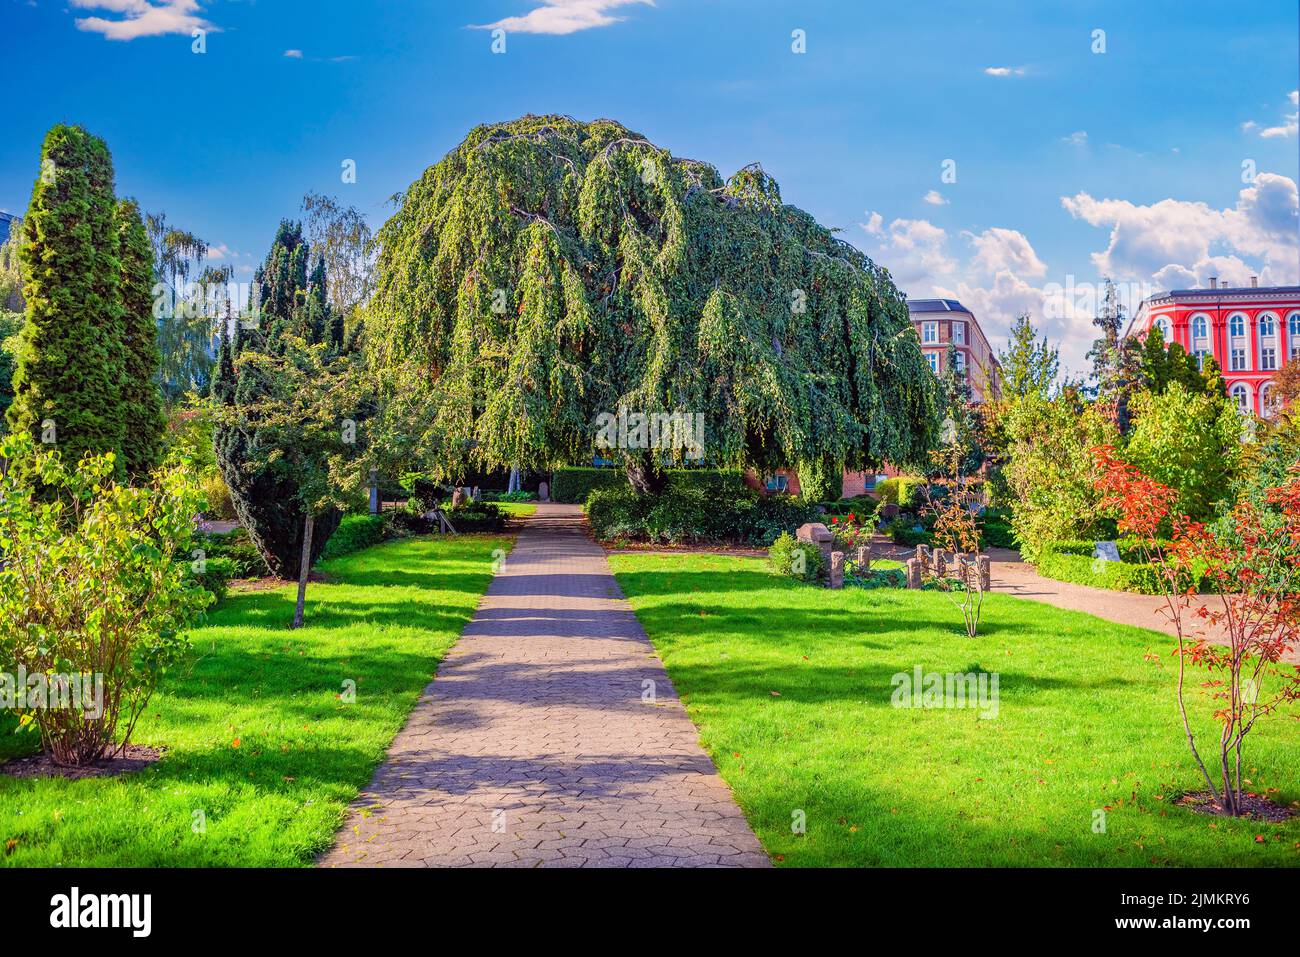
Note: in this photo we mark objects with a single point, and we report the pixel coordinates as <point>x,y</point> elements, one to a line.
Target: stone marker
<point>543,492</point>
<point>1107,551</point>
<point>819,535</point>
<point>863,557</point>
<point>457,498</point>
<point>914,567</point>
<point>939,563</point>
<point>837,570</point>
<point>923,554</point>
<point>985,568</point>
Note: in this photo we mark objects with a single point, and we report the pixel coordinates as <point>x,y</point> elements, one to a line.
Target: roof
<point>1225,292</point>
<point>936,305</point>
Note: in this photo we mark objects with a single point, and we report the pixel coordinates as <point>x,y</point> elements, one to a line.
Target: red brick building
<point>1251,331</point>
<point>938,322</point>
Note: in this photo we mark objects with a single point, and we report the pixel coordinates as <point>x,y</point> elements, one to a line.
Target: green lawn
<point>517,509</point>
<point>257,738</point>
<point>791,686</point>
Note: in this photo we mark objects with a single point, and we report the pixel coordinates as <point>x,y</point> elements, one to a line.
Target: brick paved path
<point>534,746</point>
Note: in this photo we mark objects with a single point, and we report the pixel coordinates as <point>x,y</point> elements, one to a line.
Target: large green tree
<point>1029,364</point>
<point>68,382</point>
<point>547,271</point>
<point>272,500</point>
<point>141,401</point>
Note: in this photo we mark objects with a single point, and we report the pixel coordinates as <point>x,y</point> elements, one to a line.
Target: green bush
<point>520,496</point>
<point>236,547</point>
<point>694,512</point>
<point>902,531</point>
<point>354,533</point>
<point>215,576</point>
<point>1085,570</point>
<point>903,491</point>
<point>574,485</point>
<point>477,517</point>
<point>423,489</point>
<point>997,533</point>
<point>783,558</point>
<point>878,578</point>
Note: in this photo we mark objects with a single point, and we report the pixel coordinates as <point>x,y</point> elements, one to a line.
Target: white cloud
<point>1005,70</point>
<point>914,250</point>
<point>1077,138</point>
<point>1289,126</point>
<point>293,54</point>
<point>142,18</point>
<point>999,249</point>
<point>1146,241</point>
<point>560,17</point>
<point>934,198</point>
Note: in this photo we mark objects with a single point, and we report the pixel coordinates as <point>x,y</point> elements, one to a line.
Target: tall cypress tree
<point>141,403</point>
<point>68,384</point>
<point>267,499</point>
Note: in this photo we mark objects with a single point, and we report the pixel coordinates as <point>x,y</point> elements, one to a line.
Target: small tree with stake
<point>956,529</point>
<point>303,418</point>
<point>1253,570</point>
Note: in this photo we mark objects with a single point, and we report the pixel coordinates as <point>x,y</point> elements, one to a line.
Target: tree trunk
<point>645,476</point>
<point>304,569</point>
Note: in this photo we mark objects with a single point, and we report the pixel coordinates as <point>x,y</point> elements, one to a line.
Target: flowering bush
<point>1254,574</point>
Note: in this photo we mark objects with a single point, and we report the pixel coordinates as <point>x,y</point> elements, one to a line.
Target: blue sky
<point>1168,158</point>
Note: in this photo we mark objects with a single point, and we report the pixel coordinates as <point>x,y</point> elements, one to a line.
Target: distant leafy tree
<point>1051,467</point>
<point>1190,442</point>
<point>347,247</point>
<point>11,324</point>
<point>186,325</point>
<point>11,278</point>
<point>70,363</point>
<point>272,501</point>
<point>1029,364</point>
<point>547,271</point>
<point>143,421</point>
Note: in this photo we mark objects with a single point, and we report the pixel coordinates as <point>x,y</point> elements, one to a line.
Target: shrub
<point>1085,570</point>
<point>574,485</point>
<point>878,578</point>
<point>422,489</point>
<point>214,575</point>
<point>795,559</point>
<point>217,503</point>
<point>997,533</point>
<point>90,587</point>
<point>903,491</point>
<point>354,533</point>
<point>695,513</point>
<point>477,517</point>
<point>902,531</point>
<point>520,496</point>
<point>236,547</point>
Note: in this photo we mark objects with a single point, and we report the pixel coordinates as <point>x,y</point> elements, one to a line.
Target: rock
<point>457,498</point>
<point>837,570</point>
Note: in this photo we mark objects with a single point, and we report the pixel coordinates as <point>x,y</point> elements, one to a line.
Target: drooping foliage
<point>143,421</point>
<point>67,386</point>
<point>290,310</point>
<point>547,271</point>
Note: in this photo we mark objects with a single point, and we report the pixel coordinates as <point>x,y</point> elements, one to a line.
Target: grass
<point>791,686</point>
<point>517,509</point>
<point>257,737</point>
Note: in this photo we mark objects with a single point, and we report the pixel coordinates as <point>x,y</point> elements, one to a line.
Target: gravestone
<point>819,535</point>
<point>914,567</point>
<point>1106,551</point>
<point>837,570</point>
<point>985,568</point>
<point>457,498</point>
<point>543,492</point>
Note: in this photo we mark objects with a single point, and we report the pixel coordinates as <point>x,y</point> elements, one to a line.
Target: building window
<point>1237,326</point>
<point>1242,396</point>
<point>929,332</point>
<point>1238,360</point>
<point>1200,359</point>
<point>933,359</point>
<point>777,483</point>
<point>1268,358</point>
<point>1293,323</point>
<point>1267,326</point>
<point>959,333</point>
<point>960,358</point>
<point>1163,325</point>
<point>1200,329</point>
<point>1268,400</point>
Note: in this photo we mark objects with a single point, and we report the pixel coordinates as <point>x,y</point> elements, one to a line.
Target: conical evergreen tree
<point>141,403</point>
<point>68,384</point>
<point>286,304</point>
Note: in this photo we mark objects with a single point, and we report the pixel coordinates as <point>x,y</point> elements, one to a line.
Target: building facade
<point>1252,331</point>
<point>938,323</point>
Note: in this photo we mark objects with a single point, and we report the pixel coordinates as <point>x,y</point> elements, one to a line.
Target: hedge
<point>902,491</point>
<point>354,533</point>
<point>573,485</point>
<point>695,513</point>
<point>1114,576</point>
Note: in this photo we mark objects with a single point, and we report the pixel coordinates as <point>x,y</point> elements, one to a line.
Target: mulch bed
<point>135,757</point>
<point>1256,806</point>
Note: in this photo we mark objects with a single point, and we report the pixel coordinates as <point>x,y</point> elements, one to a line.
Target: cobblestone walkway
<point>536,746</point>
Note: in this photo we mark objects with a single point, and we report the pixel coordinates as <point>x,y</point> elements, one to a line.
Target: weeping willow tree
<point>548,271</point>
